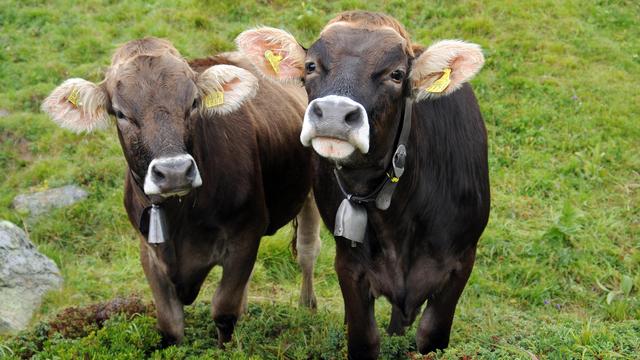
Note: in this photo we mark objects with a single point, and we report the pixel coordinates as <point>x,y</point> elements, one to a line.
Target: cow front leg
<point>397,322</point>
<point>229,300</point>
<point>363,340</point>
<point>169,309</point>
<point>435,324</point>
<point>307,248</point>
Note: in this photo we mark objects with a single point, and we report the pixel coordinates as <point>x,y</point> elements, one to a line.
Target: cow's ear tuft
<point>444,67</point>
<point>274,52</point>
<point>78,105</point>
<point>224,88</point>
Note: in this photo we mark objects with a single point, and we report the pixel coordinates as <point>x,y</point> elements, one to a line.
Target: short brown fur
<point>371,21</point>
<point>256,177</point>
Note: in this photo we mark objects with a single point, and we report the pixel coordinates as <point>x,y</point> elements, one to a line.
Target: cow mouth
<point>332,148</point>
<point>177,192</point>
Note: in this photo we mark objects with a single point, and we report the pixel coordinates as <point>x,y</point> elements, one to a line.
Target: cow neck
<point>139,188</point>
<point>383,192</point>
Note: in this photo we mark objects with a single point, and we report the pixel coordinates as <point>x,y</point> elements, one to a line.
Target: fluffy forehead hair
<point>372,20</point>
<point>150,46</point>
<point>147,47</point>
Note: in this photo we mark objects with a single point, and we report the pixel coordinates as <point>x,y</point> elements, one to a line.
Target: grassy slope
<point>560,97</point>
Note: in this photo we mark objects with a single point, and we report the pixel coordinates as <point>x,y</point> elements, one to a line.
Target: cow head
<point>153,94</point>
<point>357,75</point>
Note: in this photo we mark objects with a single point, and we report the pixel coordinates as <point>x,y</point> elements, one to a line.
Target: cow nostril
<point>353,117</point>
<point>157,173</point>
<point>317,110</point>
<point>191,170</point>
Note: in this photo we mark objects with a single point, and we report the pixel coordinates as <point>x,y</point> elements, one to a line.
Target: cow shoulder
<point>452,145</point>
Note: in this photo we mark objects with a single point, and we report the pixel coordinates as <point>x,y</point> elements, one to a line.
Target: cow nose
<point>336,118</point>
<point>336,110</point>
<point>172,175</point>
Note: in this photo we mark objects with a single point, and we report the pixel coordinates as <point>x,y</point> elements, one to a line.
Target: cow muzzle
<point>335,126</point>
<point>172,176</point>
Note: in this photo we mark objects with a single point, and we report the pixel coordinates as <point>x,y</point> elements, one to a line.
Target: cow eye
<point>397,75</point>
<point>195,104</point>
<point>310,67</point>
<point>123,118</point>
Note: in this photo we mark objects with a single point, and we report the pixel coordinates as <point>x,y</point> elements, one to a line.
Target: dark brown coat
<point>255,174</point>
<point>358,75</point>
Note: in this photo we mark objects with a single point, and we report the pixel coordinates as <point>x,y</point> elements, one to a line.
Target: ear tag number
<point>274,60</point>
<point>214,99</point>
<point>439,85</point>
<point>74,96</point>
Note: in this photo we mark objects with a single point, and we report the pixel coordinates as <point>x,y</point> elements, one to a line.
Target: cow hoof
<point>309,302</point>
<point>396,329</point>
<point>225,325</point>
<point>427,344</point>
<point>363,355</point>
<point>169,340</point>
<point>364,350</point>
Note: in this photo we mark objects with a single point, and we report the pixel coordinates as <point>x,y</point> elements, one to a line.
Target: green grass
<point>558,269</point>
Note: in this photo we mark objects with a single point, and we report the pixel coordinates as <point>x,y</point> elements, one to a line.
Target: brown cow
<point>217,151</point>
<point>402,174</point>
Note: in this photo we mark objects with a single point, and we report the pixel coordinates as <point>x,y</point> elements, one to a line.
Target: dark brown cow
<point>217,150</point>
<point>375,96</point>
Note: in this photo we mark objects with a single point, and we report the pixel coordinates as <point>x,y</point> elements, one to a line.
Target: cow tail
<point>294,237</point>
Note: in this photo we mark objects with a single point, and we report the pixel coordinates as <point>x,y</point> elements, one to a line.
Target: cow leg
<point>307,248</point>
<point>435,324</point>
<point>169,309</point>
<point>363,340</point>
<point>244,309</point>
<point>397,323</point>
<point>229,300</point>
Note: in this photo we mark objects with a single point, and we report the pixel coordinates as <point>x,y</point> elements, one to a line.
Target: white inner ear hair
<point>88,114</point>
<point>237,84</point>
<point>463,58</point>
<point>254,42</point>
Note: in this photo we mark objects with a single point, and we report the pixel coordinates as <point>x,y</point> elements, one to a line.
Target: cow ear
<point>443,67</point>
<point>78,105</point>
<point>275,53</point>
<point>224,88</point>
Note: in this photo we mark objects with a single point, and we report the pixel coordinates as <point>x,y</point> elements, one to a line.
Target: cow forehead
<point>164,69</point>
<point>345,39</point>
<point>345,34</point>
<point>145,77</point>
<point>360,47</point>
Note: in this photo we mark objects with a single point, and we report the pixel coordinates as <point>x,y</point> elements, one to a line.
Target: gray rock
<point>25,277</point>
<point>40,202</point>
<point>4,113</point>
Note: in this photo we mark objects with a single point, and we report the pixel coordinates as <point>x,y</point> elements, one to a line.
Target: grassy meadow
<point>558,268</point>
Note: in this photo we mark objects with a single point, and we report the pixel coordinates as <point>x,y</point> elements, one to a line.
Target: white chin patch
<point>332,148</point>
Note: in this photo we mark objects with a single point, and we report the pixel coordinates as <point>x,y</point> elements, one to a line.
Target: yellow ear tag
<point>74,96</point>
<point>439,85</point>
<point>214,99</point>
<point>274,60</point>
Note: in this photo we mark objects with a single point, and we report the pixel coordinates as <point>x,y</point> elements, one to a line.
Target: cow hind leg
<point>229,300</point>
<point>435,324</point>
<point>169,308</point>
<point>307,247</point>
